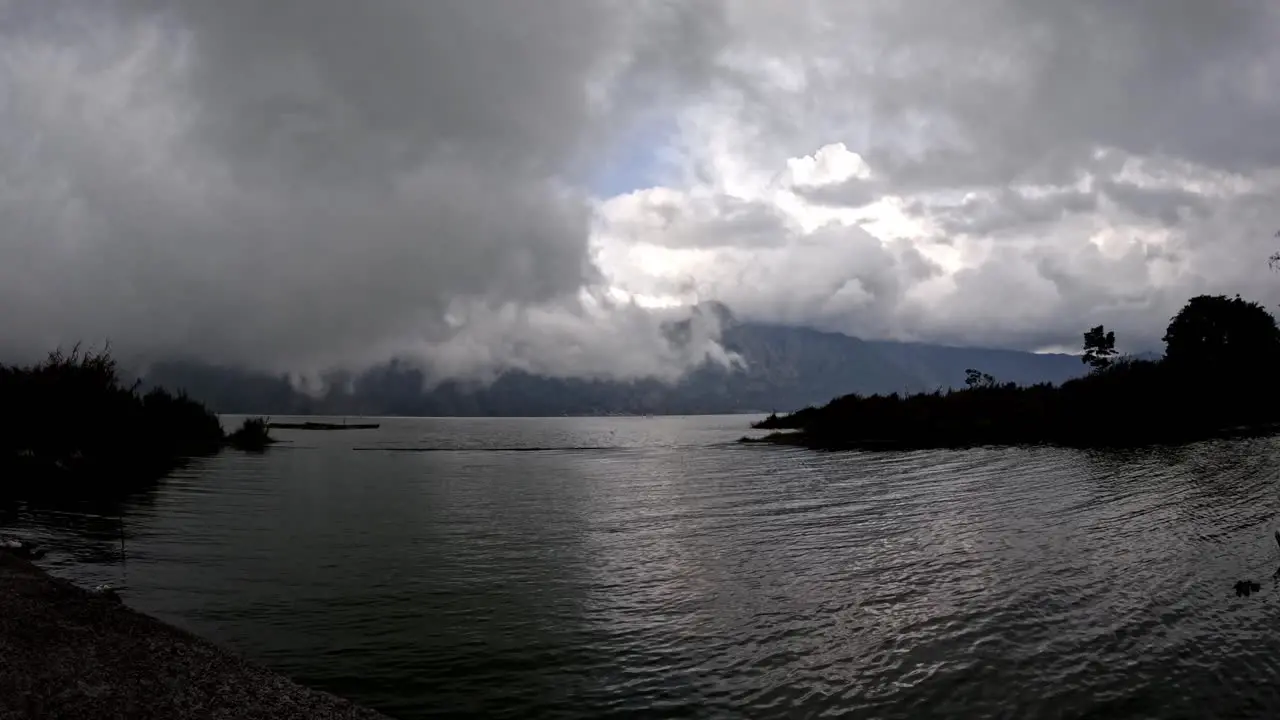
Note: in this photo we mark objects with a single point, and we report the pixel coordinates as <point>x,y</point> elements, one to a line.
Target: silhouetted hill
<point>786,368</point>
<point>940,366</point>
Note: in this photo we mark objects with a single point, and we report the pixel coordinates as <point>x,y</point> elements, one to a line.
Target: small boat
<point>322,426</point>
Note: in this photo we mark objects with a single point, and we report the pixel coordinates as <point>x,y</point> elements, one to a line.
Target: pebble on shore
<point>68,653</point>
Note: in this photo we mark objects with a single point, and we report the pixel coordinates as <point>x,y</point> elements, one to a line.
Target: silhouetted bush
<point>1219,377</point>
<point>68,424</point>
<point>252,436</point>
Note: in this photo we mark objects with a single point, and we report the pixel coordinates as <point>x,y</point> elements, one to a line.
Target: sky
<point>484,185</point>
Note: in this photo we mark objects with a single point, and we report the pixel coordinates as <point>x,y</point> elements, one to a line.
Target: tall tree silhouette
<point>974,379</point>
<point>1099,348</point>
<point>1217,332</point>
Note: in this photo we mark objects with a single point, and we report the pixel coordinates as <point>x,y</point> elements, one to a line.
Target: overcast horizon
<point>483,185</point>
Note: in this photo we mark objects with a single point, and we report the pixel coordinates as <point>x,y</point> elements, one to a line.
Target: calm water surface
<point>653,568</point>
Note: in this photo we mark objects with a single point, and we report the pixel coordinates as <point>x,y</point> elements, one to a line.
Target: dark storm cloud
<point>1083,160</point>
<point>299,184</point>
<point>1027,89</point>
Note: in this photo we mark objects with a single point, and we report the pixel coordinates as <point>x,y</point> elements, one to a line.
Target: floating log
<point>322,426</point>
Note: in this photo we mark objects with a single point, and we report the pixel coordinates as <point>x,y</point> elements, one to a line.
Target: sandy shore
<point>67,653</point>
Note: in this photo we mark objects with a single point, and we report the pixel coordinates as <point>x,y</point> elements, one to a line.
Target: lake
<point>651,567</point>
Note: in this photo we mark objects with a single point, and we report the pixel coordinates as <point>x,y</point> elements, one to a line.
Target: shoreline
<point>68,653</point>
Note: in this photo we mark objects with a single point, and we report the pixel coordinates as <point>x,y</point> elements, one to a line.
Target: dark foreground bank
<point>68,653</point>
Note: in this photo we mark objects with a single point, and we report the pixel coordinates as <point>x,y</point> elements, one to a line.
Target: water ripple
<point>651,568</point>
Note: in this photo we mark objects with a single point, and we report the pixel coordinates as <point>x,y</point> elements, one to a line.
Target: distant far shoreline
<point>274,418</point>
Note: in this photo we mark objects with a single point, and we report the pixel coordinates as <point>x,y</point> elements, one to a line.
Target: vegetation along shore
<point>1217,377</point>
<point>72,428</point>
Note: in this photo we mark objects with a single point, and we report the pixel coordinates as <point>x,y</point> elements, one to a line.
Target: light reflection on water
<point>667,571</point>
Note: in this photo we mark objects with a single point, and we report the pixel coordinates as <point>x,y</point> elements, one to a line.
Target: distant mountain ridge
<point>787,368</point>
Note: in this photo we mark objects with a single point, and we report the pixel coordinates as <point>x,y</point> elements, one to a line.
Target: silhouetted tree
<point>978,379</point>
<point>1217,332</point>
<point>1099,348</point>
<point>72,427</point>
<point>1217,378</point>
